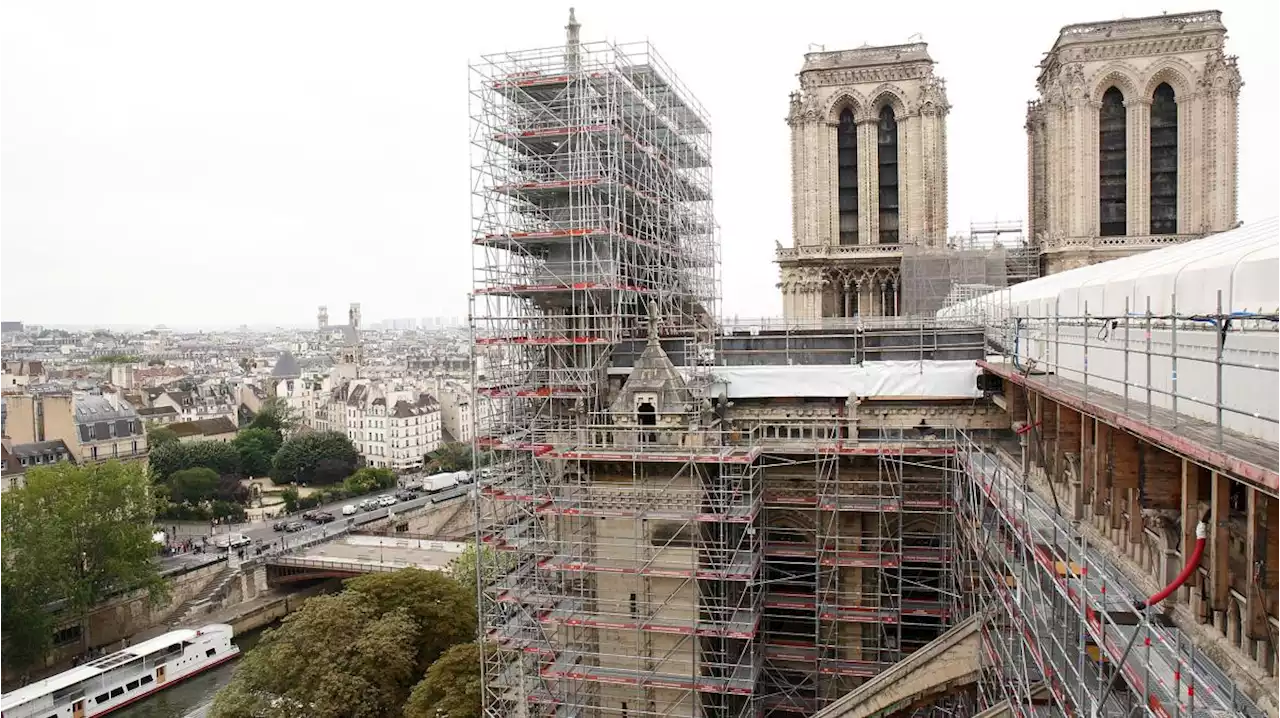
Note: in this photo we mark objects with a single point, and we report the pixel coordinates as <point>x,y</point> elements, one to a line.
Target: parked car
<point>369,504</point>
<point>279,525</point>
<point>323,517</point>
<point>308,515</point>
<point>387,501</point>
<point>349,510</point>
<point>406,495</point>
<point>294,526</point>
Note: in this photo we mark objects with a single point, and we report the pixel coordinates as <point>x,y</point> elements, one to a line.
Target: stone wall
<point>1134,56</point>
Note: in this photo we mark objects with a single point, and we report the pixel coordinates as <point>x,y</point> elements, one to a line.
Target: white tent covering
<point>1114,352</point>
<point>1243,263</point>
<point>901,379</point>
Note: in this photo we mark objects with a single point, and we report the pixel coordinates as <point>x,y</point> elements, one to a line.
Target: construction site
<point>1018,496</point>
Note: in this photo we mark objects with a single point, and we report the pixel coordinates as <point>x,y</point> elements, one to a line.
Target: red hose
<point>1202,533</point>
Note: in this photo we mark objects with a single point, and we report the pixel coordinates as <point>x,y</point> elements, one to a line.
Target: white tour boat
<point>124,677</point>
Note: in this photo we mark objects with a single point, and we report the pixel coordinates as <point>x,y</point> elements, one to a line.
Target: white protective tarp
<point>1243,263</point>
<point>929,379</point>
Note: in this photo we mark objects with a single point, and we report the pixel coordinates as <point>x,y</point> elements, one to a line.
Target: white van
<point>349,510</point>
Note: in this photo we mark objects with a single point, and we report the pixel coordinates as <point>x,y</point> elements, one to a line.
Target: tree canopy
<point>257,447</point>
<point>75,534</point>
<point>193,485</point>
<point>451,688</point>
<point>337,657</point>
<point>368,480</point>
<point>491,563</point>
<point>275,416</point>
<point>220,456</point>
<point>453,456</point>
<point>300,458</point>
<point>159,436</point>
<point>443,610</point>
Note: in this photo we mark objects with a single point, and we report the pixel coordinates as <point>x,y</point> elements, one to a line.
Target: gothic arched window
<point>887,152</point>
<point>847,158</point>
<point>1164,161</point>
<point>1113,182</point>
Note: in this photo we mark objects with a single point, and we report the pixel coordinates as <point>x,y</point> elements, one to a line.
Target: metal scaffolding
<point>1063,618</point>
<point>623,575</point>
<point>858,547</point>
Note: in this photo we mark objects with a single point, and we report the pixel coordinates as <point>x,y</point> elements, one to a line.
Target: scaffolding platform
<point>568,666</point>
<point>1055,594</point>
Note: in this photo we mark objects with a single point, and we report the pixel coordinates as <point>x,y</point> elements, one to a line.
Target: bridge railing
<point>330,565</point>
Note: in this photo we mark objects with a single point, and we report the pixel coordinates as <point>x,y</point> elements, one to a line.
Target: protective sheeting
<point>1243,263</point>
<point>928,379</point>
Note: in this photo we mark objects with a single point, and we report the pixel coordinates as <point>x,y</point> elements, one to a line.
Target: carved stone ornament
<point>1221,73</point>
<point>933,95</point>
<point>1073,82</point>
<point>804,108</point>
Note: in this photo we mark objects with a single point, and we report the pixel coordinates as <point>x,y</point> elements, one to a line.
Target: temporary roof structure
<point>1242,263</point>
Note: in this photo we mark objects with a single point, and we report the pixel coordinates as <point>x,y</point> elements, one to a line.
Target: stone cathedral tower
<point>868,178</point>
<point>1132,142</point>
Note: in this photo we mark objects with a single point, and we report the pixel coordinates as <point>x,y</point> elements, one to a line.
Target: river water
<point>187,697</point>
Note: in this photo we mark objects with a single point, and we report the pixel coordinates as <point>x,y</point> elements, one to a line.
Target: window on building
<point>1113,182</point>
<point>135,447</point>
<point>887,153</point>
<point>93,451</point>
<point>847,157</point>
<point>1164,161</point>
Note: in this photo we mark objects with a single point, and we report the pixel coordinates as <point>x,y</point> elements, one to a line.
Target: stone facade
<point>1067,158</point>
<point>869,175</point>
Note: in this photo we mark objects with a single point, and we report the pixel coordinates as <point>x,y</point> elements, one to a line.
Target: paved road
<point>261,533</point>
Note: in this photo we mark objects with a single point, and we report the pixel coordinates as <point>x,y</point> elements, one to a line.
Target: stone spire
<point>653,323</point>
<point>571,42</point>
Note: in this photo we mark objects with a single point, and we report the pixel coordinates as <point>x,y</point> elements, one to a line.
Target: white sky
<point>243,162</point>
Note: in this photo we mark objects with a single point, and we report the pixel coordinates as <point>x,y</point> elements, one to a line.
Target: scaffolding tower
<point>622,575</point>
<point>859,546</point>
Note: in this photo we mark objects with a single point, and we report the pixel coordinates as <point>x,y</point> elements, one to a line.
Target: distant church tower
<point>322,318</point>
<point>1132,141</point>
<point>868,177</point>
<point>353,316</point>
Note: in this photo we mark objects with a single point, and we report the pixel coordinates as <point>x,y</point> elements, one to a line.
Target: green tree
<point>451,688</point>
<point>290,498</point>
<point>300,456</point>
<point>492,565</point>
<point>454,456</point>
<point>443,610</point>
<point>159,436</point>
<point>26,622</point>
<point>276,416</point>
<point>337,657</point>
<point>257,447</point>
<point>75,534</point>
<point>193,486</point>
<point>220,456</point>
<point>368,480</point>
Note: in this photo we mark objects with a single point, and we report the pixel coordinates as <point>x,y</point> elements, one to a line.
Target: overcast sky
<point>243,162</point>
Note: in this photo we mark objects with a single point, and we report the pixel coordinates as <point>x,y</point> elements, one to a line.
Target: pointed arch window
<point>1164,161</point>
<point>847,158</point>
<point>887,153</point>
<point>1113,181</point>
